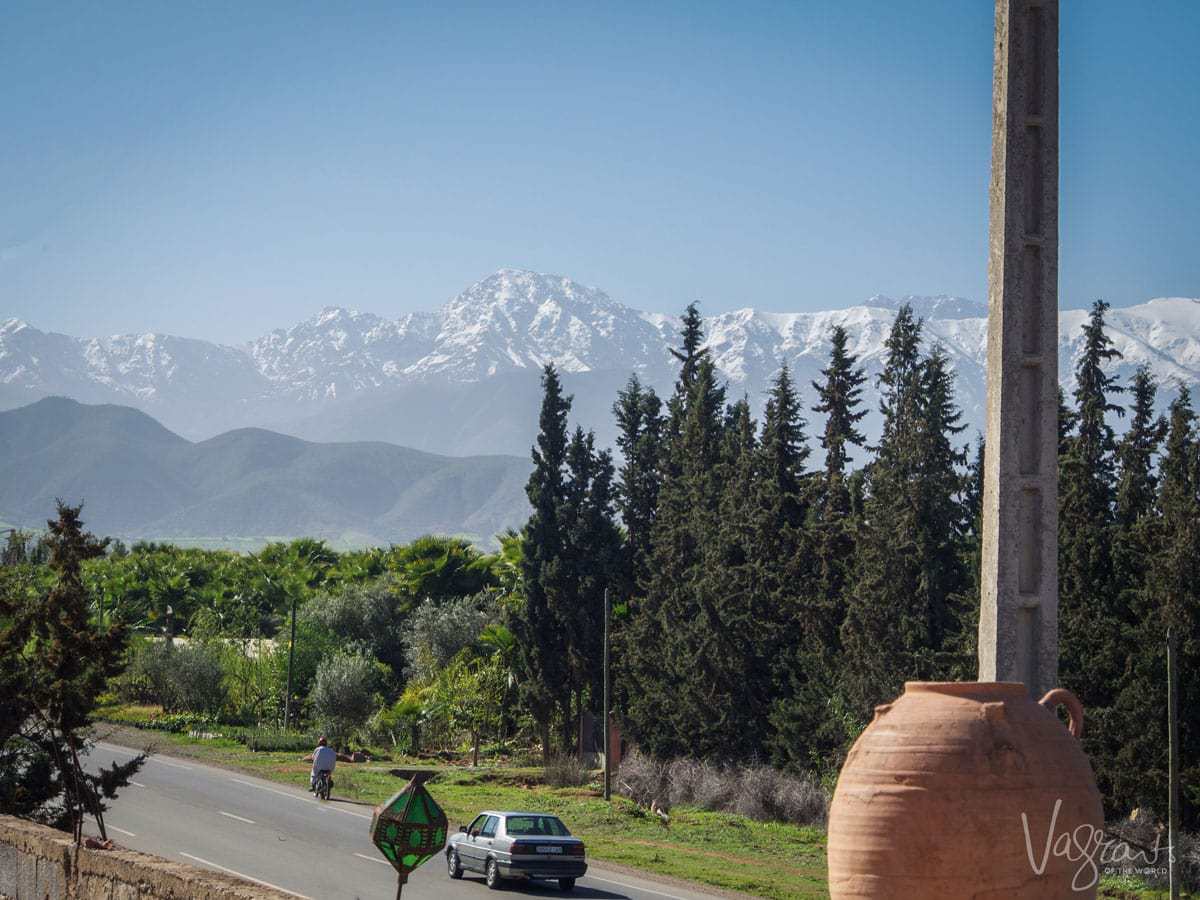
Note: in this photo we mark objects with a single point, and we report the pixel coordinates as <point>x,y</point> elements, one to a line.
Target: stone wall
<point>39,863</point>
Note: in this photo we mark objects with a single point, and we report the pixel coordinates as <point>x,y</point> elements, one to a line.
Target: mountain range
<point>464,379</point>
<point>243,487</point>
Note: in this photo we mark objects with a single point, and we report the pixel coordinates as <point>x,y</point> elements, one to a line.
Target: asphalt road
<point>283,837</point>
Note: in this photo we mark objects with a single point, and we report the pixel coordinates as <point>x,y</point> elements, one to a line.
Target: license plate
<point>549,849</point>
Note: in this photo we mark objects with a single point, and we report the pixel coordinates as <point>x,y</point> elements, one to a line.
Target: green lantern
<point>409,828</point>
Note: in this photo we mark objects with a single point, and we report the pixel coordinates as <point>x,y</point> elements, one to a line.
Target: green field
<point>763,859</point>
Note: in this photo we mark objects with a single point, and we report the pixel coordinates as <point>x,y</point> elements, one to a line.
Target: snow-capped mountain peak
<point>939,306</point>
<point>515,321</point>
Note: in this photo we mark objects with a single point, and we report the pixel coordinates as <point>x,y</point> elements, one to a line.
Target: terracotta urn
<point>963,790</point>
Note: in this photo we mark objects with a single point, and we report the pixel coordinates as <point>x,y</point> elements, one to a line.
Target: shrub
<point>148,673</point>
<point>565,770</point>
<point>278,740</point>
<point>1144,832</point>
<point>363,616</point>
<point>438,632</point>
<point>197,680</point>
<point>343,694</point>
<point>177,677</point>
<point>757,791</point>
<point>182,722</point>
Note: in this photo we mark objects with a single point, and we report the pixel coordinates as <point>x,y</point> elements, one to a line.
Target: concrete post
<point>1018,622</point>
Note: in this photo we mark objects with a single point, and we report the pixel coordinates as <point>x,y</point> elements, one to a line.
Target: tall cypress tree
<point>591,562</point>
<point>945,517</point>
<point>540,632</point>
<point>1135,498</point>
<point>730,594</point>
<point>807,714</point>
<point>665,626</point>
<point>901,620</point>
<point>640,427</point>
<point>1136,773</point>
<point>1092,656</point>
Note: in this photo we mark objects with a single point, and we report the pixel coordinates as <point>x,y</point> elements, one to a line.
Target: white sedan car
<point>517,845</point>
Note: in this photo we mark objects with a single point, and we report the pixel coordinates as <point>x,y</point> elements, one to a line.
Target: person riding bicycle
<point>324,760</point>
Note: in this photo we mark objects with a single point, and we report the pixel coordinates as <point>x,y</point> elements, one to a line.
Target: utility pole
<point>607,712</point>
<point>1173,761</point>
<point>1018,621</point>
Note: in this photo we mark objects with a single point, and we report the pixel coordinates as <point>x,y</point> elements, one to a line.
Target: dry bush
<point>768,794</point>
<point>1147,832</point>
<point>717,788</point>
<point>642,778</point>
<point>566,770</point>
<point>757,792</point>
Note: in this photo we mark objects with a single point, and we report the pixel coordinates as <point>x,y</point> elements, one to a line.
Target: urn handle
<point>1062,697</point>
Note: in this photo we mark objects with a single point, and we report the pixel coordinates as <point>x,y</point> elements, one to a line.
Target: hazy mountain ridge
<point>139,479</point>
<point>371,376</point>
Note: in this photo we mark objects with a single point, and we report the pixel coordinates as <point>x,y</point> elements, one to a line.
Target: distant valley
<point>243,487</point>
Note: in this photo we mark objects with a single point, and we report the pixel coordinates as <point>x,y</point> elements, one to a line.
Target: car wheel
<point>453,866</point>
<point>567,884</point>
<point>493,875</point>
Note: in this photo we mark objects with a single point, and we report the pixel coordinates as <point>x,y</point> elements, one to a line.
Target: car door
<point>486,841</point>
<point>469,853</point>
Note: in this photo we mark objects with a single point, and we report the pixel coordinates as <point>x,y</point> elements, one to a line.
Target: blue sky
<point>221,170</point>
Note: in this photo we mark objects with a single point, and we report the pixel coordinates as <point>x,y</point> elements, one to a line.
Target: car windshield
<point>542,826</point>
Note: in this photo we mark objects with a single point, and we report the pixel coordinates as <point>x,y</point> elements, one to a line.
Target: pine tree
<point>689,355</point>
<point>545,685</point>
<point>1135,452</point>
<point>58,663</point>
<point>640,439</point>
<point>784,451</point>
<point>840,396</point>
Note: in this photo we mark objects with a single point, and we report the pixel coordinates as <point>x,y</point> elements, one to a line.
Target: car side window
<point>477,825</point>
<point>489,830</point>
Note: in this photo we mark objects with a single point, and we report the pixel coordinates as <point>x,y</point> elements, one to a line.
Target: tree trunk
<point>475,749</point>
<point>545,724</point>
<point>567,725</point>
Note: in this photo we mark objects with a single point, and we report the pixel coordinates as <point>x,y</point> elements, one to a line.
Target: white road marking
<point>205,862</point>
<point>263,787</point>
<point>372,859</point>
<point>121,831</point>
<point>634,887</point>
<point>137,784</point>
<point>239,818</point>
<point>113,748</point>
<point>173,765</point>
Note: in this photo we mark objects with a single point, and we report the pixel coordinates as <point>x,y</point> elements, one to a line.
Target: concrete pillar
<point>1018,622</point>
